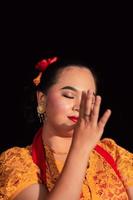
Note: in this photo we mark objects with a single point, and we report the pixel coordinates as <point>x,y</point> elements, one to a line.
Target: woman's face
<point>63,98</point>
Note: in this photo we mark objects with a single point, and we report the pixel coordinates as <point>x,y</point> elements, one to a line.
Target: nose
<point>75,108</point>
<point>76,105</point>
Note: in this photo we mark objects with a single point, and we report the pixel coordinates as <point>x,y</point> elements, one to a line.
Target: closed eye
<point>68,96</point>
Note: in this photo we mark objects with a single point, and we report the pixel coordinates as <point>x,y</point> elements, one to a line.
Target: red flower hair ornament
<point>42,66</point>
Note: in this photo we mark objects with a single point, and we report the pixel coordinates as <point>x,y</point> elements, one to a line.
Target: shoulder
<point>15,151</point>
<point>115,149</point>
<point>108,142</point>
<point>16,156</point>
<point>109,145</point>
<point>17,170</point>
<point>17,159</point>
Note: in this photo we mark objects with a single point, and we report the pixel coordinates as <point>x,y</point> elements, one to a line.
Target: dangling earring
<point>41,112</point>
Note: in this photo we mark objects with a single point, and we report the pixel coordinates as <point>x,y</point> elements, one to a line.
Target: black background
<point>100,33</point>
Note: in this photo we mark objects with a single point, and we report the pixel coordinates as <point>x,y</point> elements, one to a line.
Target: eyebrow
<point>73,89</point>
<point>69,88</point>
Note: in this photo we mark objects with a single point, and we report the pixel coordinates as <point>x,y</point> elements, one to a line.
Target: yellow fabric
<point>17,171</point>
<point>101,181</point>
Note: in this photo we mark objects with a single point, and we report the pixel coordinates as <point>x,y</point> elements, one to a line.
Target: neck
<point>58,144</point>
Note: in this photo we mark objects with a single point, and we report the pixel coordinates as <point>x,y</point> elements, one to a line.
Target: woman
<point>67,159</point>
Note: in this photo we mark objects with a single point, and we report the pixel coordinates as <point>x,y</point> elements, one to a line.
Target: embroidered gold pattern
<point>17,171</point>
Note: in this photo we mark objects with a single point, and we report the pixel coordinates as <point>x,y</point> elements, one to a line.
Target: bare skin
<point>63,135</point>
<point>58,132</point>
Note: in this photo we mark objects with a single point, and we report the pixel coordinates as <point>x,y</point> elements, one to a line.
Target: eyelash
<point>72,98</point>
<point>68,96</point>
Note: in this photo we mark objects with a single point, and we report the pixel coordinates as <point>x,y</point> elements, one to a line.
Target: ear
<point>41,97</point>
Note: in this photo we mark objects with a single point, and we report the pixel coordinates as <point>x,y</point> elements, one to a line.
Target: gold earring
<point>41,112</point>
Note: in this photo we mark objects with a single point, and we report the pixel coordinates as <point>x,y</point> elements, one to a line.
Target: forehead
<point>79,77</point>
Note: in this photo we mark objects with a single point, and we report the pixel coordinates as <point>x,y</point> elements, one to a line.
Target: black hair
<point>50,76</point>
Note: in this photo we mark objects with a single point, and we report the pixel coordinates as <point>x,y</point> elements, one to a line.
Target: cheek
<point>57,105</point>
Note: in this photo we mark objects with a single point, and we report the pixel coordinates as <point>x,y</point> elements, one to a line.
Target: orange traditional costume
<point>109,171</point>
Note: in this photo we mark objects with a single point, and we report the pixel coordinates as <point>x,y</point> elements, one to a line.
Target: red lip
<point>73,118</point>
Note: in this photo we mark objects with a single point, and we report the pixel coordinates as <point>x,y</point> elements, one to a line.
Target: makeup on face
<point>71,95</point>
<point>73,118</point>
<point>71,89</point>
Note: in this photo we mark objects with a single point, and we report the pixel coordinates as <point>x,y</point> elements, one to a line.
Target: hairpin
<point>42,66</point>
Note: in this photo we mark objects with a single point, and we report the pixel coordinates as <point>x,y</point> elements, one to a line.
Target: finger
<point>88,105</point>
<point>103,120</point>
<point>96,109</point>
<point>93,101</point>
<point>82,105</point>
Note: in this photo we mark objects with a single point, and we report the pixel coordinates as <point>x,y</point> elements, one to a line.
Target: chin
<point>69,134</point>
<point>67,131</point>
<point>70,131</point>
